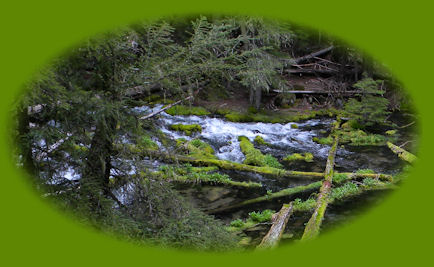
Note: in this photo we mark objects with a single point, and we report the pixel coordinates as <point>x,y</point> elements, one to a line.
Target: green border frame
<point>399,231</point>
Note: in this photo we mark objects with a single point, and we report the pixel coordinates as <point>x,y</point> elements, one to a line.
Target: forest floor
<point>238,100</point>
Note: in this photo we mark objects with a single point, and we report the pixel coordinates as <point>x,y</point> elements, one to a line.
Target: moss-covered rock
<point>324,140</point>
<point>186,110</point>
<point>308,157</point>
<point>196,148</point>
<point>260,141</point>
<point>254,156</point>
<point>294,126</point>
<point>188,129</point>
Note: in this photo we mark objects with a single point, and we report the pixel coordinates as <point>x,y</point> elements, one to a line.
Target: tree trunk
<point>251,96</point>
<point>95,179</point>
<point>314,224</point>
<point>273,236</point>
<point>312,55</point>
<point>258,96</point>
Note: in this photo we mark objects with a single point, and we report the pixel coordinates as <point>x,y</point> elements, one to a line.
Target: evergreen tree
<point>372,108</point>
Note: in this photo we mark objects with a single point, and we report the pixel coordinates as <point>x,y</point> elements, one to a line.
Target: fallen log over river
<point>273,236</point>
<point>402,153</point>
<point>314,224</point>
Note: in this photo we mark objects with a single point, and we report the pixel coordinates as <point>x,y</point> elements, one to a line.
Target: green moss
<point>260,141</point>
<point>391,132</point>
<point>238,117</point>
<point>252,110</point>
<point>188,129</point>
<point>186,110</point>
<point>255,157</point>
<point>222,111</point>
<point>199,149</point>
<point>324,140</point>
<point>339,177</point>
<point>308,157</point>
<point>294,126</point>
<point>180,142</point>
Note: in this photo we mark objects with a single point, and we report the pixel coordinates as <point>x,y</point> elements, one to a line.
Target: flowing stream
<point>223,135</point>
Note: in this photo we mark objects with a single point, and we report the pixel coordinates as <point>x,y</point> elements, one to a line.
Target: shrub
<point>263,216</point>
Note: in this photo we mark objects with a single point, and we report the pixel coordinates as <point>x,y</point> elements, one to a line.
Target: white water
<point>223,135</point>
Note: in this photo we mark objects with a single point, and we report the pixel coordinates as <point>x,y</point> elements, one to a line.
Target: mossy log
<point>314,224</point>
<point>187,180</point>
<point>229,165</point>
<point>403,154</point>
<point>271,239</point>
<point>287,192</point>
<point>302,207</point>
<point>282,193</point>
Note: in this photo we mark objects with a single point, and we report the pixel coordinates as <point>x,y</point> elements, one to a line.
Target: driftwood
<point>403,154</point>
<point>273,236</point>
<point>313,226</point>
<point>163,109</point>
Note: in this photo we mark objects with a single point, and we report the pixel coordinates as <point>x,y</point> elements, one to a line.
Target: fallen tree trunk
<point>314,224</point>
<point>273,236</point>
<point>283,193</point>
<point>313,55</point>
<point>229,165</point>
<point>163,109</point>
<point>188,180</point>
<point>403,154</point>
<point>344,93</point>
<point>302,207</point>
<point>311,71</point>
<point>300,189</point>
